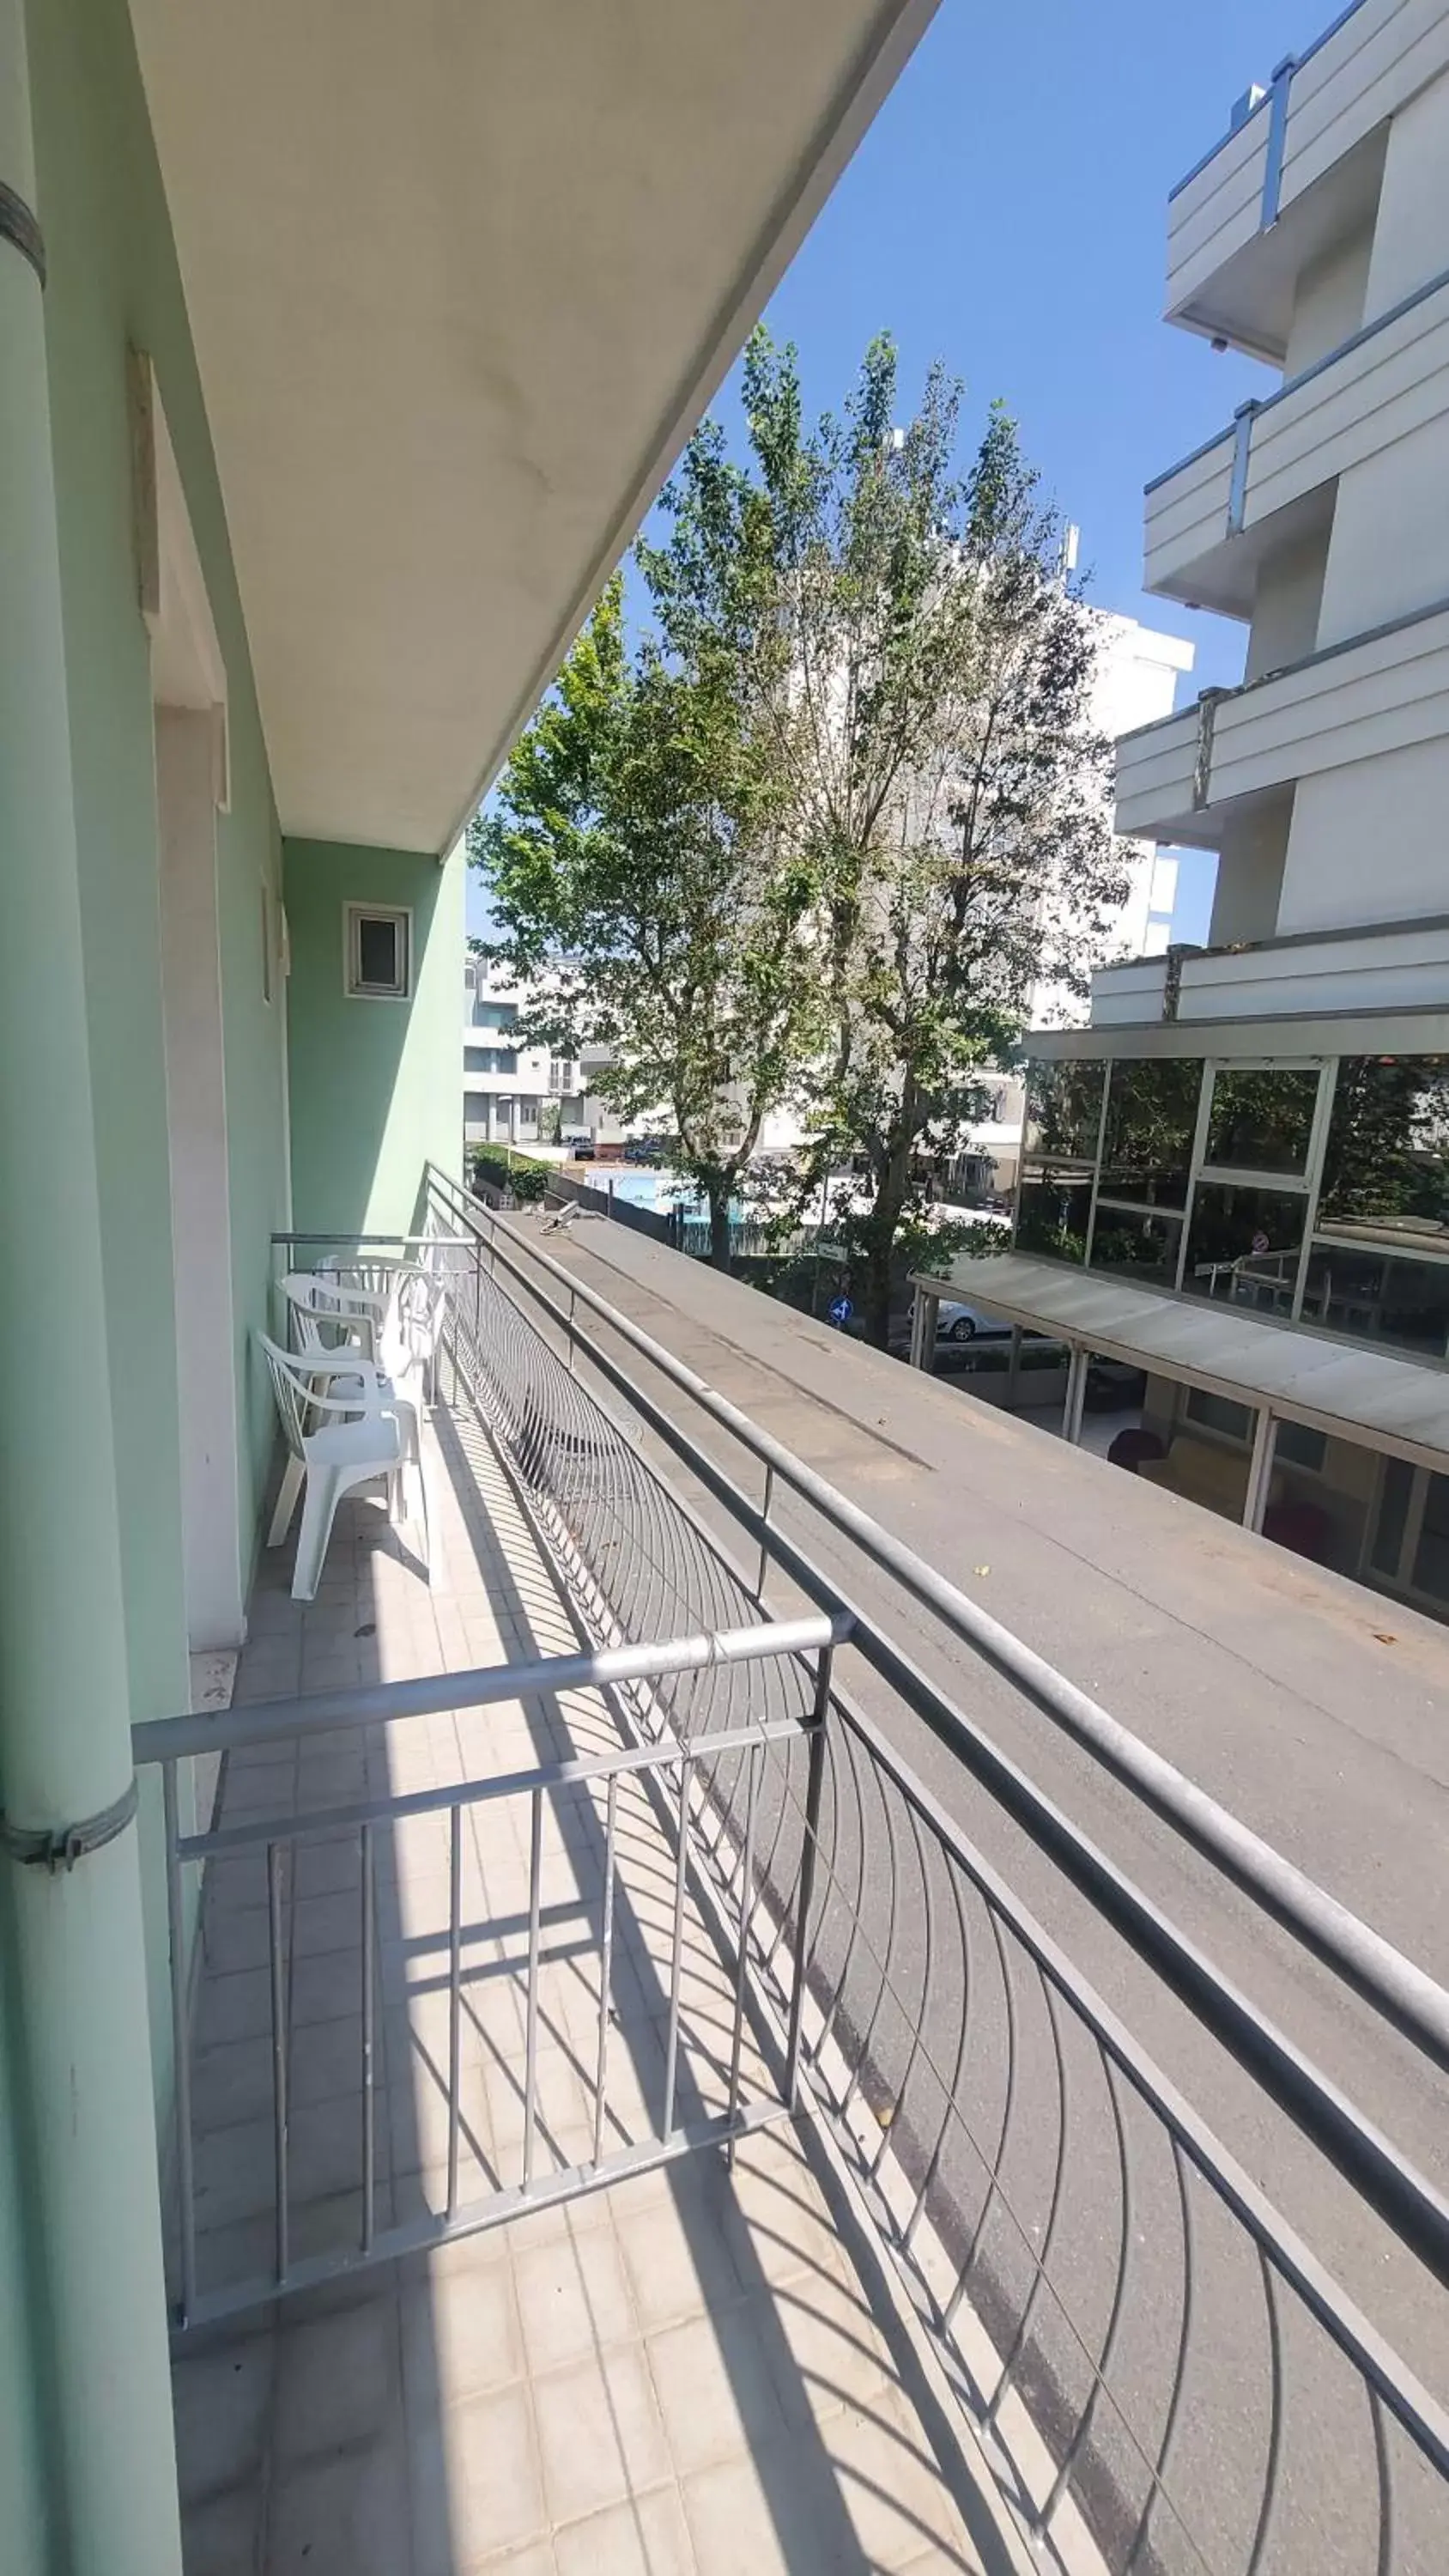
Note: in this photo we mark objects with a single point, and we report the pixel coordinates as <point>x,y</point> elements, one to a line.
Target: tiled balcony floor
<point>683,2372</point>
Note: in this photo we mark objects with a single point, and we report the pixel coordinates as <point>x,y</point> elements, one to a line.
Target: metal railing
<point>713,1680</point>
<point>1165,2374</point>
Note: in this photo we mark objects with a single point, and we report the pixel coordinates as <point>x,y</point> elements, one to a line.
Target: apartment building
<point>1135,683</point>
<point>513,1094</point>
<point>1237,1175</point>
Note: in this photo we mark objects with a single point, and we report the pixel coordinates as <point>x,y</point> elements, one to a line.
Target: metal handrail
<point>1382,1974</point>
<point>800,1647</point>
<point>163,1739</point>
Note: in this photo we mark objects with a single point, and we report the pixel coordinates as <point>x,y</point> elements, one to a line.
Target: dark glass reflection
<point>1261,1122</point>
<point>1387,1162</point>
<point>1147,1141</point>
<point>1431,1556</point>
<point>1394,1500</point>
<point>1405,1303</point>
<point>1064,1110</point>
<point>1243,1244</point>
<point>1145,1247</point>
<point>1052,1217</point>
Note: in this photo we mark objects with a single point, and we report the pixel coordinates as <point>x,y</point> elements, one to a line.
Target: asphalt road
<point>1318,1713</point>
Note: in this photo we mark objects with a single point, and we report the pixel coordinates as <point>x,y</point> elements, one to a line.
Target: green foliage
<point>922,674</point>
<point>640,879</point>
<point>527,1180</point>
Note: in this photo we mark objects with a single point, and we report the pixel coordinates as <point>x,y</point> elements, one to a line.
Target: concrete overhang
<point>461,282</point>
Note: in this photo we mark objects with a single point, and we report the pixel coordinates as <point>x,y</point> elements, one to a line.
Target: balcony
<point>1401,968</point>
<point>1299,174</point>
<point>624,2121</point>
<point>1269,478</point>
<point>1375,693</point>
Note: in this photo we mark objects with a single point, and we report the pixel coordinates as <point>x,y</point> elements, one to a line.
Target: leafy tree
<point>641,880</point>
<point>920,673</point>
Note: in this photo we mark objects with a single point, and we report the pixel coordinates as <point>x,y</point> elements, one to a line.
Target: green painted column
<point>84,2074</point>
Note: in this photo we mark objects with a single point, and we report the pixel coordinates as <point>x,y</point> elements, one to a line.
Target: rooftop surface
<point>1315,1710</point>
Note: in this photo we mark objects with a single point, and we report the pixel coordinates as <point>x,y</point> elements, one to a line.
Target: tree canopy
<point>642,881</point>
<point>840,813</point>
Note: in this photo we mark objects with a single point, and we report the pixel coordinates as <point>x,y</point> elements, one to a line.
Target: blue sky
<point>1007,212</point>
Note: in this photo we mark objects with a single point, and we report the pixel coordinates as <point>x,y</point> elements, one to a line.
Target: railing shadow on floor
<point>297,1919</point>
<point>800,2478</point>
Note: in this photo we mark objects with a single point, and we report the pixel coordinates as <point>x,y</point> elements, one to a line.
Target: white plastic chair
<point>325,1326</point>
<point>335,1442</point>
<point>407,1302</point>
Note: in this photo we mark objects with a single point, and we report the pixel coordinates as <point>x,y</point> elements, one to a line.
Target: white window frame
<point>353,916</point>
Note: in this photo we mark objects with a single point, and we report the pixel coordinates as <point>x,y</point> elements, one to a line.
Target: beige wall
<point>1329,304</point>
<point>1390,548</point>
<point>1411,234</point>
<point>1368,842</point>
<point>1250,872</point>
<point>1287,604</point>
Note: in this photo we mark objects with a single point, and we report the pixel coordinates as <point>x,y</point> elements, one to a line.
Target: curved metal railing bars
<point>1166,2377</point>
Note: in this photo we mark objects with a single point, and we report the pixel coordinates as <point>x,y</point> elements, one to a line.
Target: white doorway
<point>189,693</point>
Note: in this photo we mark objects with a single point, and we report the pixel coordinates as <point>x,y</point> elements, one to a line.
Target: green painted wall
<point>113,280</point>
<point>114,284</point>
<point>26,2471</point>
<point>376,1086</point>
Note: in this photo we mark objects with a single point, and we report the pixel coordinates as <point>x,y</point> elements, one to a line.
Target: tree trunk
<point>719,1228</point>
<point>878,1280</point>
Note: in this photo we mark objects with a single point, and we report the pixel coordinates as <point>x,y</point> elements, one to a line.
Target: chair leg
<point>291,1487</point>
<point>319,1511</point>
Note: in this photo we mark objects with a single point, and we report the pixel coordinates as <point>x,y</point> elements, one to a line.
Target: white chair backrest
<point>322,1317</point>
<point>291,1394</point>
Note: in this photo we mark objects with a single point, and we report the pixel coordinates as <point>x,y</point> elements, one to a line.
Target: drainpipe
<point>74,1929</point>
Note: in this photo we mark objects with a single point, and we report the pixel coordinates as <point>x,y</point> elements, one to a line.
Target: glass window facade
<point>1222,1180</point>
<point>1243,1244</point>
<point>1386,1166</point>
<point>1403,1303</point>
<point>1053,1215</point>
<point>1261,1119</point>
<point>1064,1111</point>
<point>1151,1117</point>
<point>1139,1244</point>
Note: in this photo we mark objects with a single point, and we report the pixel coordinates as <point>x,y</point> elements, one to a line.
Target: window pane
<point>377,952</point>
<point>1402,1302</point>
<point>1243,1244</point>
<point>1144,1246</point>
<point>1394,1494</point>
<point>1260,1122</point>
<point>1431,1556</point>
<point>1053,1217</point>
<point>1147,1142</point>
<point>1064,1111</point>
<point>1218,1413</point>
<point>1387,1164</point>
<point>1297,1446</point>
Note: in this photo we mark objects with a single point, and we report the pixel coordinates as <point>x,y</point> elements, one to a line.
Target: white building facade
<point>512,1094</point>
<point>1135,684</point>
<point>1236,1177</point>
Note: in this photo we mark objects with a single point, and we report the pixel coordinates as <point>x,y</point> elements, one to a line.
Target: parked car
<point>958,1322</point>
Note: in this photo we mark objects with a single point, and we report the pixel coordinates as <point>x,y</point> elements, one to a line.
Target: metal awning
<point>1298,1374</point>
